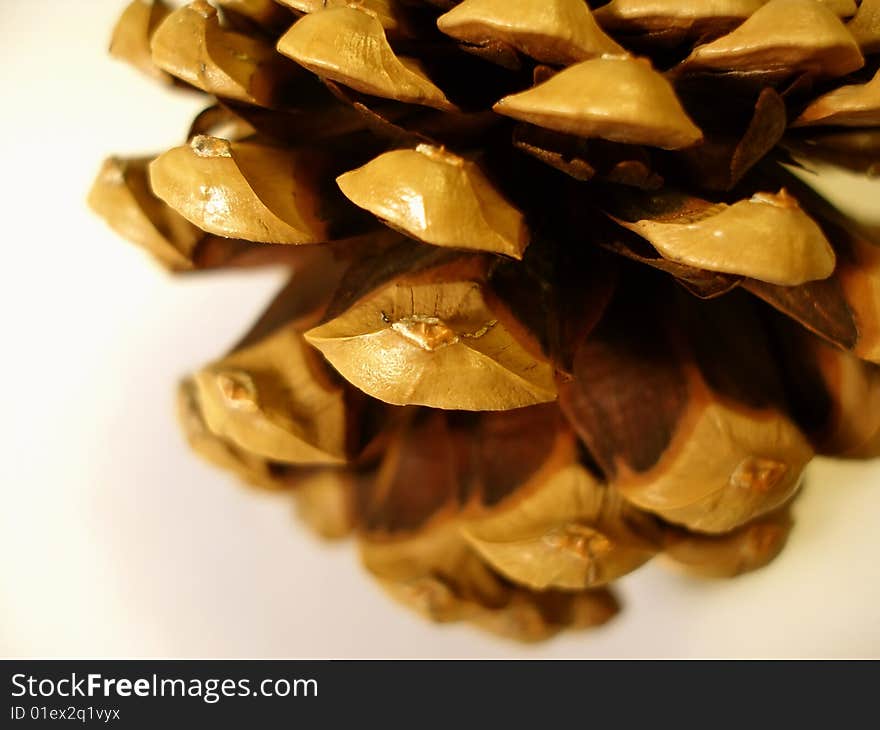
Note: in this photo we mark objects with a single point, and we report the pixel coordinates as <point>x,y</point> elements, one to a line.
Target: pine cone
<point>558,301</point>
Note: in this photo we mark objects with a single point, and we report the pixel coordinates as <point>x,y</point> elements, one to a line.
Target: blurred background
<point>116,541</point>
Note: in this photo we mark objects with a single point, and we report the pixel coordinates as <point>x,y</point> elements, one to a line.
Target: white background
<point>115,540</point>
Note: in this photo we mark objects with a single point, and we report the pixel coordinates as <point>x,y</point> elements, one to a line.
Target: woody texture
<point>560,300</point>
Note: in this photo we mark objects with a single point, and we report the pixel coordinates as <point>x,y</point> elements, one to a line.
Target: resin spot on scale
<point>758,473</point>
<point>429,333</point>
<point>238,389</point>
